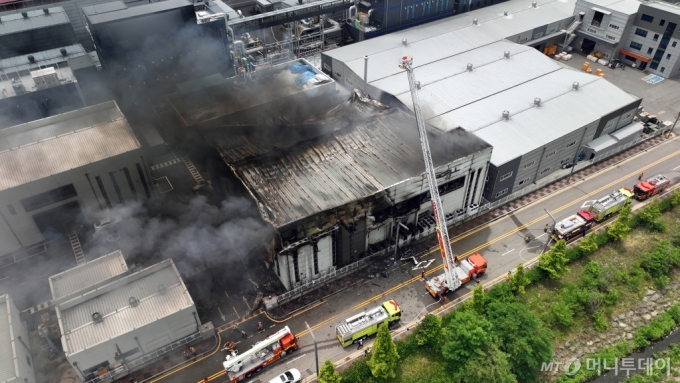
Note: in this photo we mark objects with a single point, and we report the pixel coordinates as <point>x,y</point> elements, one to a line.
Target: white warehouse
<point>16,361</point>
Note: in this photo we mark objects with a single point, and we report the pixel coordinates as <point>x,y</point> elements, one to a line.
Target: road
<point>501,242</point>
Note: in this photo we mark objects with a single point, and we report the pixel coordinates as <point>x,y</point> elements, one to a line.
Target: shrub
<point>519,280</point>
<point>612,297</point>
<point>554,262</point>
<point>358,372</point>
<point>658,226</point>
<point>428,334</point>
<point>675,199</point>
<point>588,245</point>
<point>563,315</point>
<point>600,323</point>
<point>647,215</point>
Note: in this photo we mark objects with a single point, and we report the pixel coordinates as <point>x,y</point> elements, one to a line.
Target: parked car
<point>290,376</point>
<point>107,222</point>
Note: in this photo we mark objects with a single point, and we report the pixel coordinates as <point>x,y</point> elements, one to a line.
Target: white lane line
<point>676,167</point>
<point>507,252</point>
<point>293,360</point>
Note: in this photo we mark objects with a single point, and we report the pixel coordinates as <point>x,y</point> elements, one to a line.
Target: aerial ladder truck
<point>455,273</point>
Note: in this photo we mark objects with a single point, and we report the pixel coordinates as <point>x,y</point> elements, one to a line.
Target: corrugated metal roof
<point>534,127</point>
<point>456,30</point>
<point>15,22</point>
<point>7,352</point>
<point>601,143</point>
<point>87,275</point>
<point>372,154</point>
<point>44,58</point>
<point>93,134</point>
<point>667,7</point>
<point>628,7</point>
<point>631,130</point>
<point>140,10</point>
<point>112,303</point>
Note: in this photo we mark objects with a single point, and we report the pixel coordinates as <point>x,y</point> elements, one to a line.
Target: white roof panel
<point>630,130</point>
<point>628,7</point>
<point>111,301</point>
<point>87,275</point>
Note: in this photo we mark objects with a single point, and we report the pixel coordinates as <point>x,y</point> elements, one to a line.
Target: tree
<point>384,358</point>
<point>619,230</point>
<point>675,199</point>
<point>519,280</point>
<point>522,336</point>
<point>479,300</point>
<point>588,245</point>
<point>554,262</point>
<point>429,333</point>
<point>491,367</point>
<point>467,335</point>
<point>328,373</point>
<point>649,213</point>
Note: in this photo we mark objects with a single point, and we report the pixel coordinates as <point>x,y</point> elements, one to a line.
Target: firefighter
<point>422,274</point>
<point>193,350</point>
<point>260,327</point>
<point>206,380</point>
<point>243,334</point>
<point>546,228</point>
<point>443,301</point>
<point>186,354</point>
<point>361,343</point>
<point>640,176</point>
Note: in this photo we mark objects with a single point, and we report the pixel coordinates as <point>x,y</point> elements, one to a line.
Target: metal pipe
<point>676,121</point>
<point>365,74</point>
<point>316,349</point>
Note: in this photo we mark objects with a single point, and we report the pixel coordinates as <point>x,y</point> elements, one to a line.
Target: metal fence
<point>483,209</point>
<point>129,366</point>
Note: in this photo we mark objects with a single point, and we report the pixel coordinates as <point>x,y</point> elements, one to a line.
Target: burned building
<point>34,30</point>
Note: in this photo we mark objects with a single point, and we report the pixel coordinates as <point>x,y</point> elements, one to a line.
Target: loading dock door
<point>60,220</point>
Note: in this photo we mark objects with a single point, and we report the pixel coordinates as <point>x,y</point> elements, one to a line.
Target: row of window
<point>650,19</point>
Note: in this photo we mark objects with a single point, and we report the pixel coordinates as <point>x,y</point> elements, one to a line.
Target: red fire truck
<point>468,268</point>
<point>262,354</point>
<point>573,226</point>
<point>651,187</point>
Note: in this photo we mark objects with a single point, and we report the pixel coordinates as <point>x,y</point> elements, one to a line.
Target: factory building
<point>16,360</point>
<point>474,75</point>
<point>44,84</point>
<point>110,317</point>
<point>52,170</point>
<point>35,30</point>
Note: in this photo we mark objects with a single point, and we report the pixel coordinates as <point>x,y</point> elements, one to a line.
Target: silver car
<point>290,376</point>
<point>107,222</point>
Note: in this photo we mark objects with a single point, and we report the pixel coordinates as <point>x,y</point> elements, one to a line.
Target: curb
<point>198,357</point>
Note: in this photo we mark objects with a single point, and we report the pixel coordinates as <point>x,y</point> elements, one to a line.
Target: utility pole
<point>676,121</point>
<point>547,242</point>
<point>316,350</point>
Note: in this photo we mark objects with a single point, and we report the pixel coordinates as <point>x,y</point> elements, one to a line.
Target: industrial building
<point>35,30</point>
<point>110,316</point>
<point>16,360</point>
<point>52,169</point>
<point>474,75</point>
<point>44,84</point>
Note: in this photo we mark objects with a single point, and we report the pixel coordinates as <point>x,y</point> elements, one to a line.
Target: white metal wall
<point>325,254</point>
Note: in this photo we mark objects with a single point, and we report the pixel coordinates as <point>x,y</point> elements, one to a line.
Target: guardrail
<point>130,366</point>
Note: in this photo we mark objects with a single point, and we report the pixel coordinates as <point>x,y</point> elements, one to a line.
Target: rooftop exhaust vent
<point>404,42</point>
<point>63,52</point>
<point>505,13</point>
<point>537,101</point>
<point>46,11</point>
<point>506,115</point>
<point>534,5</point>
<point>506,54</point>
<point>97,318</point>
<point>475,22</point>
<point>133,302</point>
<point>469,67</point>
<point>575,85</point>
<point>418,84</point>
<point>31,59</point>
<point>24,14</point>
<point>161,289</point>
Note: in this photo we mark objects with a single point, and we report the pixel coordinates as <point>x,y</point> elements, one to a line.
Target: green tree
<point>522,336</point>
<point>619,230</point>
<point>519,280</point>
<point>554,262</point>
<point>650,213</point>
<point>479,300</point>
<point>492,366</point>
<point>384,358</point>
<point>327,374</point>
<point>467,335</point>
<point>588,245</point>
<point>429,333</point>
<point>675,199</point>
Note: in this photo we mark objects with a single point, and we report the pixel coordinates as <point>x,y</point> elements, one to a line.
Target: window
<point>28,360</point>
<point>610,37</point>
<point>48,198</point>
<point>522,182</point>
<point>641,32</point>
<point>650,51</point>
<point>506,176</point>
<point>296,269</point>
<point>565,160</point>
<point>130,183</point>
<point>656,37</point>
<point>636,46</point>
<point>546,170</point>
<point>591,30</point>
<point>116,187</point>
<point>597,19</point>
<point>11,210</point>
<point>613,26</point>
<point>551,154</point>
<point>674,44</point>
<point>646,18</point>
<point>104,194</point>
<point>668,56</point>
<point>141,176</point>
<point>571,144</point>
<point>500,193</point>
<point>530,164</point>
<point>662,22</point>
<point>662,69</point>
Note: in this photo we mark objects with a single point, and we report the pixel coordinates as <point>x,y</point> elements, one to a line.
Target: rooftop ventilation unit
<point>63,52</point>
<point>506,54</point>
<point>418,84</point>
<point>31,59</point>
<point>97,318</point>
<point>505,13</point>
<point>575,85</point>
<point>506,115</point>
<point>475,22</point>
<point>161,289</point>
<point>469,67</point>
<point>133,302</point>
<point>24,14</point>
<point>46,11</point>
<point>537,101</point>
<point>404,42</point>
<point>534,5</point>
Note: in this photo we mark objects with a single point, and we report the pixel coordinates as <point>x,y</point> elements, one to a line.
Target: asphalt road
<point>501,242</point>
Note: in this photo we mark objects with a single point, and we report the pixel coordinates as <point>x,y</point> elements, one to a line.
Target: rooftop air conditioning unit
<point>97,318</point>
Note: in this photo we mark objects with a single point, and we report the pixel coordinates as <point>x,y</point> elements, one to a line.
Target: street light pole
<point>676,121</point>
<point>547,242</point>
<point>316,350</point>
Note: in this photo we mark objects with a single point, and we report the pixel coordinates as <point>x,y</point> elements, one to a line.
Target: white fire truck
<point>261,355</point>
<point>572,226</point>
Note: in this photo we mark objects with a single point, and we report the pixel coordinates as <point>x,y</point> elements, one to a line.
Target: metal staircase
<point>570,32</point>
